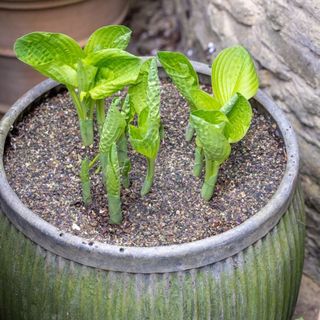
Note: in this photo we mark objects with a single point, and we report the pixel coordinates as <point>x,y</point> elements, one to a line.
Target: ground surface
<point>42,165</point>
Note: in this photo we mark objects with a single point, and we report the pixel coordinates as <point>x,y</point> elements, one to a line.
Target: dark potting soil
<point>42,163</point>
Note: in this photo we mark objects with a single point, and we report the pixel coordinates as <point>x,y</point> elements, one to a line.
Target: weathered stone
<point>284,39</point>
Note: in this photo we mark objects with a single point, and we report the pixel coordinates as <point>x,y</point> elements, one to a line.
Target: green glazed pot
<point>251,272</point>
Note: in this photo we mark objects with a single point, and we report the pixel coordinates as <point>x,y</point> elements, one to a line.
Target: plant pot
<point>252,271</point>
<point>77,18</point>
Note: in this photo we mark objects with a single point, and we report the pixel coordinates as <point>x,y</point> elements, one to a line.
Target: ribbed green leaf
<point>153,93</point>
<point>180,70</point>
<point>147,144</point>
<point>113,172</point>
<point>52,54</point>
<point>146,138</point>
<point>138,91</point>
<point>108,37</point>
<point>113,128</point>
<point>86,77</point>
<point>117,69</point>
<point>240,117</point>
<point>209,126</point>
<point>233,71</point>
<point>216,118</point>
<point>204,101</point>
<point>127,109</point>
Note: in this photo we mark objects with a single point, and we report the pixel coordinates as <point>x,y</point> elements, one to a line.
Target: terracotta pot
<point>251,272</point>
<point>77,18</point>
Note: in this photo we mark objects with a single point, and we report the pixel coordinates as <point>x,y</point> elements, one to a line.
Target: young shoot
<point>221,119</point>
<point>113,129</point>
<point>145,100</point>
<point>90,74</point>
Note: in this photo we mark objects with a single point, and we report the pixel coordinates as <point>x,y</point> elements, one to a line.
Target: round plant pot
<point>77,18</point>
<point>252,271</point>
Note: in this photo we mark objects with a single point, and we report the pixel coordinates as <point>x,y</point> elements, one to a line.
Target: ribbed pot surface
<point>261,282</point>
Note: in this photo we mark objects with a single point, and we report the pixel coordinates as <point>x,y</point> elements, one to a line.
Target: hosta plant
<point>145,101</point>
<point>90,74</point>
<point>141,107</point>
<point>219,119</point>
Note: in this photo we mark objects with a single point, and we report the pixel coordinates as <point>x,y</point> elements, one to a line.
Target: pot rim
<point>158,259</point>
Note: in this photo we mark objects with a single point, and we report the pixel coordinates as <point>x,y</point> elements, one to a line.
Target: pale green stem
<point>212,169</point>
<point>149,177</point>
<point>198,161</point>
<point>124,160</point>
<point>189,132</point>
<point>161,132</point>
<point>85,118</point>
<point>100,113</point>
<point>93,161</point>
<point>114,208</point>
<point>85,181</point>
<point>86,131</point>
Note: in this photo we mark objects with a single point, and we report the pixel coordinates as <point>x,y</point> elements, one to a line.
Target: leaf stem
<point>86,123</point>
<point>114,207</point>
<point>86,131</point>
<point>85,181</point>
<point>189,132</point>
<point>149,177</point>
<point>198,161</point>
<point>212,169</point>
<point>100,113</point>
<point>93,161</point>
<point>124,160</point>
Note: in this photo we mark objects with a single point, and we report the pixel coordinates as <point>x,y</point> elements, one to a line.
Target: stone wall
<point>284,39</point>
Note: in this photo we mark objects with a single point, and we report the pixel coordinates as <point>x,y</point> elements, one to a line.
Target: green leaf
<point>113,127</point>
<point>138,91</point>
<point>146,138</point>
<point>204,101</point>
<point>127,109</point>
<point>52,54</point>
<point>86,77</point>
<point>153,93</point>
<point>209,126</point>
<point>240,117</point>
<point>146,144</point>
<point>216,118</point>
<point>233,71</point>
<point>181,71</point>
<point>117,69</point>
<point>113,36</point>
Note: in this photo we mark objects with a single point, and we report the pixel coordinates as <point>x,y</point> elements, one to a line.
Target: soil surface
<point>42,163</point>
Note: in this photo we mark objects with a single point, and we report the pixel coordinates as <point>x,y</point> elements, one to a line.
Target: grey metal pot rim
<point>159,259</point>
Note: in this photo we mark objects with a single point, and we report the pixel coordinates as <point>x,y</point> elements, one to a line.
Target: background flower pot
<point>250,272</point>
<point>77,18</point>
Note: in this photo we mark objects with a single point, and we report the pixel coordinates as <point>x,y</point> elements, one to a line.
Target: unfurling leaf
<point>114,126</point>
<point>239,119</point>
<point>138,91</point>
<point>108,37</point>
<point>145,138</point>
<point>209,126</point>
<point>181,71</point>
<point>117,69</point>
<point>233,72</point>
<point>203,100</point>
